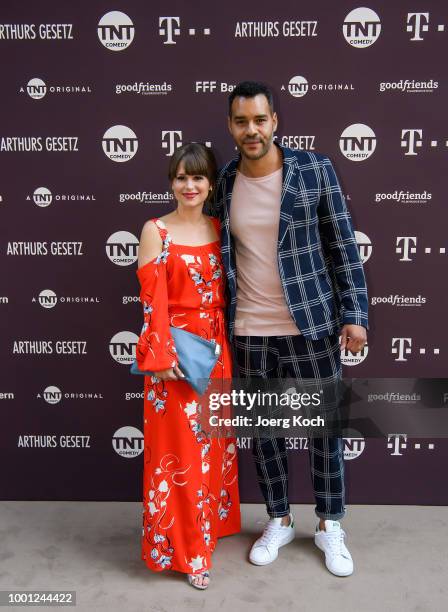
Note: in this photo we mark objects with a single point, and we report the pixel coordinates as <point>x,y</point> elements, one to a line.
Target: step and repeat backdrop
<point>95,99</point>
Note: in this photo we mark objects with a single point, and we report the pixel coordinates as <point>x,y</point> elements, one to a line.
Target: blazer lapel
<point>289,193</point>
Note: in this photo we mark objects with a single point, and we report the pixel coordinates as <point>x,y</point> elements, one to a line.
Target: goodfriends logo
<point>47,298</point>
<point>120,143</point>
<point>43,197</point>
<point>128,442</point>
<point>122,347</point>
<point>116,31</point>
<point>361,27</point>
<point>406,86</point>
<point>53,395</point>
<point>407,246</point>
<point>298,87</point>
<point>402,348</point>
<point>412,140</point>
<point>122,248</point>
<point>364,245</point>
<point>357,142</point>
<point>37,89</point>
<point>404,197</point>
<point>145,89</point>
<point>399,300</point>
<point>418,25</point>
<point>169,29</point>
<point>148,197</point>
<point>42,31</point>
<point>352,359</point>
<point>275,29</point>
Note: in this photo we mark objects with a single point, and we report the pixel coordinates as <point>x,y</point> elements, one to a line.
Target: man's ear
<point>275,120</point>
<point>229,123</point>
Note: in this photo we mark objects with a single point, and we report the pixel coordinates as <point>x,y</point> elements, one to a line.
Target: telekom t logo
<point>171,140</point>
<point>401,347</point>
<point>409,246</point>
<point>417,23</point>
<point>411,139</point>
<point>397,442</point>
<point>172,28</point>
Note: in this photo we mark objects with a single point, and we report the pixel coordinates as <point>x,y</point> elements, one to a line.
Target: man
<point>296,284</point>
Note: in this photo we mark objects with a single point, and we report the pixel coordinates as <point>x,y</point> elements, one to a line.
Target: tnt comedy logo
<point>357,142</point>
<point>352,359</point>
<point>122,248</point>
<point>128,442</point>
<point>36,88</point>
<point>42,197</point>
<point>122,347</point>
<point>361,28</point>
<point>120,143</point>
<point>354,445</point>
<point>364,246</point>
<point>298,86</point>
<point>115,31</point>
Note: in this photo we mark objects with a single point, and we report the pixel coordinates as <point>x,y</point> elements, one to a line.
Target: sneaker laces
<point>270,534</point>
<point>335,540</point>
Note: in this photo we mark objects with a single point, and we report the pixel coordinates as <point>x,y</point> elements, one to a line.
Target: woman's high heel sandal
<point>193,580</point>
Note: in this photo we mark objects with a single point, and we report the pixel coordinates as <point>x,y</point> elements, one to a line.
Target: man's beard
<point>265,148</point>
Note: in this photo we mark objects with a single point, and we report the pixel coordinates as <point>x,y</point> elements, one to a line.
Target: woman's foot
<point>199,581</point>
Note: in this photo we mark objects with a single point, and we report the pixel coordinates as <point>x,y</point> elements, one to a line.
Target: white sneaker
<point>265,549</point>
<point>331,541</point>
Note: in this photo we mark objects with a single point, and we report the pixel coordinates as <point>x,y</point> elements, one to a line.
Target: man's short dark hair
<point>250,89</point>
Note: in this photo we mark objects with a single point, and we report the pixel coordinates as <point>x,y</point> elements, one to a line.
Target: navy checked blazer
<point>318,259</point>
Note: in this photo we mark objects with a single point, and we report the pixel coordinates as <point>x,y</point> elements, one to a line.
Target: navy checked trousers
<point>299,358</point>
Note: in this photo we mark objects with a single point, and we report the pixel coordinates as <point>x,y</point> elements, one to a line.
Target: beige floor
<point>400,554</point>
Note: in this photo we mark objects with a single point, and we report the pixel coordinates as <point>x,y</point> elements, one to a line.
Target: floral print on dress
<point>190,486</point>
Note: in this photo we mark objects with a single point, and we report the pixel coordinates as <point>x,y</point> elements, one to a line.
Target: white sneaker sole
<point>288,541</point>
<point>336,573</point>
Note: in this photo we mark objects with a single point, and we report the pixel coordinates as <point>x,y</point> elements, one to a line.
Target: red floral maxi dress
<point>190,480</point>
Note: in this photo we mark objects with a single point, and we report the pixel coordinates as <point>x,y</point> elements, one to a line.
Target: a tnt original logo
<point>361,27</point>
<point>169,28</point>
<point>42,197</point>
<point>120,143</point>
<point>352,359</point>
<point>47,298</point>
<point>52,395</point>
<point>298,86</point>
<point>412,139</point>
<point>36,89</point>
<point>128,442</point>
<point>402,348</point>
<point>122,347</point>
<point>353,446</point>
<point>398,442</point>
<point>357,142</point>
<point>418,24</point>
<point>116,31</point>
<point>122,248</point>
<point>407,246</point>
<point>364,246</point>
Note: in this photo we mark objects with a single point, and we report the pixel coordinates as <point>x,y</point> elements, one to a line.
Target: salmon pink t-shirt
<point>261,308</point>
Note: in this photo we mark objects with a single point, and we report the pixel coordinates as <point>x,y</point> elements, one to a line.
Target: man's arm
<point>339,243</point>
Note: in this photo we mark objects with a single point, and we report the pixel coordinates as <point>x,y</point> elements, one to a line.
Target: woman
<point>190,488</point>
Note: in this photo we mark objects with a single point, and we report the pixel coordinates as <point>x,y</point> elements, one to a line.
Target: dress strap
<point>163,232</point>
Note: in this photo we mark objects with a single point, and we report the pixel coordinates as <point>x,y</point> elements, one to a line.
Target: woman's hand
<point>170,374</point>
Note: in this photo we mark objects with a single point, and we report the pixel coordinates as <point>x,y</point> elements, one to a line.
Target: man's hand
<point>353,338</point>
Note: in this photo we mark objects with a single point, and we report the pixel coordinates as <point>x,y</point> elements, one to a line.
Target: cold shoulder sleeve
<point>155,347</point>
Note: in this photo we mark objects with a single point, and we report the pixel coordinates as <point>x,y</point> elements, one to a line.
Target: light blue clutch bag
<point>197,358</point>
